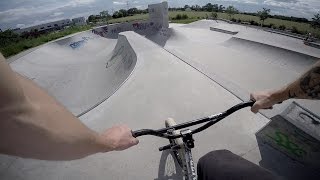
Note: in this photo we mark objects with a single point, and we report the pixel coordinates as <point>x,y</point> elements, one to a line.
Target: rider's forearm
<point>306,87</point>
<point>41,128</point>
<point>35,125</point>
<point>10,91</point>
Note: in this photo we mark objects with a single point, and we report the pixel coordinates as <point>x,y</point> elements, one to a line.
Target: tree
<point>221,8</point>
<point>133,11</point>
<point>195,7</point>
<point>104,13</point>
<point>263,15</point>
<point>198,8</point>
<point>315,23</point>
<point>215,8</point>
<point>123,12</point>
<point>92,18</point>
<point>208,7</point>
<point>117,14</point>
<point>231,11</point>
<point>186,7</point>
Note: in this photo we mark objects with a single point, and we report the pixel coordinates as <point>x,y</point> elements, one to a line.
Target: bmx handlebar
<point>209,120</point>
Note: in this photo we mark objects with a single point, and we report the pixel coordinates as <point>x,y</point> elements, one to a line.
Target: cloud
<point>75,3</point>
<point>119,3</point>
<point>305,8</point>
<point>141,7</point>
<point>57,14</point>
<point>20,25</point>
<point>294,5</point>
<point>250,2</point>
<point>124,2</point>
<point>37,22</point>
<point>41,10</point>
<point>287,1</point>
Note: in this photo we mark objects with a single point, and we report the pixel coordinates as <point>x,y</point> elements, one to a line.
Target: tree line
<point>105,15</point>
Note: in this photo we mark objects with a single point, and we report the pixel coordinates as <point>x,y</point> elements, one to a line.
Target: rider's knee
<point>213,155</point>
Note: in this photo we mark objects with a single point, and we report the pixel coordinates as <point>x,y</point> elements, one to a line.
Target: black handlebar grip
<point>135,134</point>
<point>250,103</point>
<point>140,132</point>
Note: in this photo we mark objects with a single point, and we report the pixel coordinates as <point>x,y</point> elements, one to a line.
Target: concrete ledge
<point>224,31</point>
<point>312,44</point>
<point>286,34</point>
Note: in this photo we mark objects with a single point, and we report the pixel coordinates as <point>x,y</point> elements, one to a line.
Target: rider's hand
<point>119,138</point>
<point>264,100</point>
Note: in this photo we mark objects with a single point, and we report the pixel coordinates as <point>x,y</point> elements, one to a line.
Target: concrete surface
<point>75,64</point>
<point>248,61</point>
<point>192,72</point>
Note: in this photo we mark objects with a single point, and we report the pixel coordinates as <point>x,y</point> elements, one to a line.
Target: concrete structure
<point>79,21</point>
<point>158,19</point>
<point>185,72</point>
<point>47,26</point>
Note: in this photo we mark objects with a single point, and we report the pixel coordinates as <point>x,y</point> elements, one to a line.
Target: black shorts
<point>224,165</point>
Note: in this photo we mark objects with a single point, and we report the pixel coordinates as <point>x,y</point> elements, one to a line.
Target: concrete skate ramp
<point>276,55</point>
<point>79,71</point>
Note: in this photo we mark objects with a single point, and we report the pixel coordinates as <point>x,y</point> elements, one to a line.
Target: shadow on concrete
<point>160,37</point>
<point>169,168</point>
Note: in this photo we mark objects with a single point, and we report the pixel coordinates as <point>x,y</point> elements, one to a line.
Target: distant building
<point>79,21</point>
<point>56,25</point>
<point>188,9</point>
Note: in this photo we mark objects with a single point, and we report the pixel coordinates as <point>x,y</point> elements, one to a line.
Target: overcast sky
<point>24,13</point>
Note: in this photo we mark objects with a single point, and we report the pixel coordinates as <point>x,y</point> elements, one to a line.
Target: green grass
<point>24,44</point>
<point>190,14</point>
<point>130,18</point>
<point>184,21</point>
<point>194,15</point>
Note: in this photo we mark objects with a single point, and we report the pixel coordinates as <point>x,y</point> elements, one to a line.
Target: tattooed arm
<point>306,87</point>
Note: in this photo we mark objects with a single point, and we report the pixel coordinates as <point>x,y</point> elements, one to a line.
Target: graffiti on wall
<point>80,43</point>
<point>112,30</point>
<point>283,140</point>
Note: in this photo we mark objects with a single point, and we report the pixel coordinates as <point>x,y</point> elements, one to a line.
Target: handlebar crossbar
<point>210,120</point>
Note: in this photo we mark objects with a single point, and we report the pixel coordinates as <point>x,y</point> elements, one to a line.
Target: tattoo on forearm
<point>292,94</point>
<point>310,83</point>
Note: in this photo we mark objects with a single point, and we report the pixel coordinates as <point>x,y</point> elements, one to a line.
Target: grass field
<point>23,44</point>
<point>130,18</point>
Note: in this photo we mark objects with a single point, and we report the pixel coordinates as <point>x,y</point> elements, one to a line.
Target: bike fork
<point>189,169</point>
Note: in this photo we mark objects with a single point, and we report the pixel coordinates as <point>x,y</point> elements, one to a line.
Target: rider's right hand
<point>118,138</point>
<point>264,100</point>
